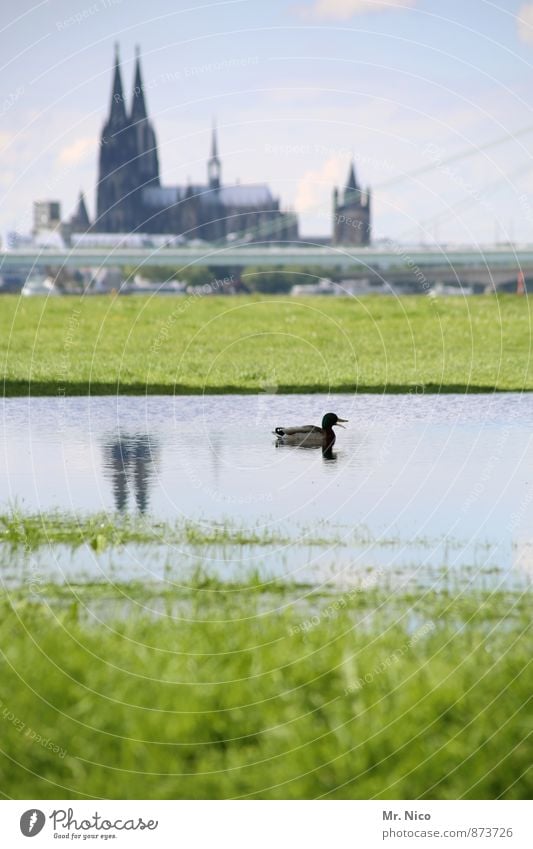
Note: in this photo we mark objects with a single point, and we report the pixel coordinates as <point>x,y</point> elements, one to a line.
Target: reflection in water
<point>130,461</point>
<point>215,451</point>
<point>327,452</point>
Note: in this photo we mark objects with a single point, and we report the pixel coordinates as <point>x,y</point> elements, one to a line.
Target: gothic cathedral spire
<point>138,106</point>
<point>117,112</point>
<point>145,161</point>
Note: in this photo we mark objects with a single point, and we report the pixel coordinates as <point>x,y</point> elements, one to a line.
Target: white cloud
<point>524,21</point>
<point>342,10</point>
<point>314,192</point>
<point>76,152</point>
<point>5,140</point>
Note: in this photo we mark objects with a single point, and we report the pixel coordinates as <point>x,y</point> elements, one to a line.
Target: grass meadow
<point>199,686</point>
<point>193,344</point>
<point>216,691</point>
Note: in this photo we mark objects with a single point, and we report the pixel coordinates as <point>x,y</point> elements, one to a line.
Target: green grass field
<point>249,344</point>
<point>250,693</point>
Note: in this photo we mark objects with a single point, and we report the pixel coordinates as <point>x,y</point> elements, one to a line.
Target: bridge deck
<point>410,258</point>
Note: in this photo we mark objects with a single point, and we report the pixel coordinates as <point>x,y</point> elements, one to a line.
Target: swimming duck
<point>311,436</point>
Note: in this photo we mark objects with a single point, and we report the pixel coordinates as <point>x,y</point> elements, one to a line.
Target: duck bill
<point>339,422</point>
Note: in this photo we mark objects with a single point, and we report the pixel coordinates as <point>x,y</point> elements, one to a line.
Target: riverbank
<point>195,345</point>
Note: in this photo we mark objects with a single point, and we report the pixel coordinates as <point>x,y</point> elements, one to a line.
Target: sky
<point>433,99</point>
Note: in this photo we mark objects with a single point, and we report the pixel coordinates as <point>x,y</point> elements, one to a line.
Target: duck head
<point>331,420</point>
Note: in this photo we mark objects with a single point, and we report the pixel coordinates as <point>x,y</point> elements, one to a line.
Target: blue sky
<point>296,88</point>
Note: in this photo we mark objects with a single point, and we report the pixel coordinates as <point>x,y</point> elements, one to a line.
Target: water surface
<point>416,481</point>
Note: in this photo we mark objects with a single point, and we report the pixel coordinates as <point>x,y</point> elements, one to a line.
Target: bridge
<point>490,264</point>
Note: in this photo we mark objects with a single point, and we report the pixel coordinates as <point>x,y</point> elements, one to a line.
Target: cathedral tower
<point>113,214</point>
<point>128,158</point>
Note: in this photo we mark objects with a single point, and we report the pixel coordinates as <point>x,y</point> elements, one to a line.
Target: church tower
<point>214,168</point>
<point>79,221</point>
<point>351,213</point>
<point>113,212</point>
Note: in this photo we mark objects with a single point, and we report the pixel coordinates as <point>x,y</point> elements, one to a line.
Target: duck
<point>311,436</point>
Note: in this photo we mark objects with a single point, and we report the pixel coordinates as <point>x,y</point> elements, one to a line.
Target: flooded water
<point>415,481</point>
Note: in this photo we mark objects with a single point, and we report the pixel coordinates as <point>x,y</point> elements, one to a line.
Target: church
<point>130,197</point>
<point>351,213</point>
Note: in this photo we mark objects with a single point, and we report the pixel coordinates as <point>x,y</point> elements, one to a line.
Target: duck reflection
<point>329,454</point>
<point>130,461</point>
<point>327,451</point>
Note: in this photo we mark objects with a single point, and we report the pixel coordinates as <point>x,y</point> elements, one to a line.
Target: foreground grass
<point>247,344</point>
<point>243,693</point>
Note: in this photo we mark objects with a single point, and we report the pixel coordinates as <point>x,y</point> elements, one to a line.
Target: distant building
<point>351,213</point>
<point>46,215</point>
<point>130,196</point>
<point>79,221</point>
<point>47,227</point>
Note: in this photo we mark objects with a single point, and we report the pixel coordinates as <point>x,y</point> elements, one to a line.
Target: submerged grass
<point>102,530</point>
<point>361,695</point>
<point>32,530</point>
<point>105,345</point>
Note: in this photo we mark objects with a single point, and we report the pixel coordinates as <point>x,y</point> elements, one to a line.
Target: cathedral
<point>130,197</point>
<point>351,213</point>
